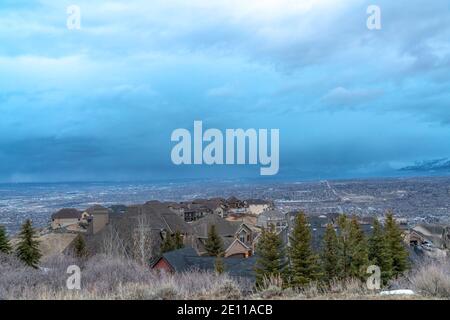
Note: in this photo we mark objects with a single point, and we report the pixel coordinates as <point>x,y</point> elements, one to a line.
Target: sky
<point>99,103</point>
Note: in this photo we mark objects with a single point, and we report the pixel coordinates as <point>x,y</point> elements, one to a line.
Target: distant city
<point>416,199</point>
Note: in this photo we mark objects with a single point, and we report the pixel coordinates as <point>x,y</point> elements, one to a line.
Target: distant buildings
<point>199,208</point>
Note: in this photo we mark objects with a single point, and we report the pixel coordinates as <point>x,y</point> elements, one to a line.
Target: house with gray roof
<point>274,218</point>
<point>187,259</point>
<point>237,237</point>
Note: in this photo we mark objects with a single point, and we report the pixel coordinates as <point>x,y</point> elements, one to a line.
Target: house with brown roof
<point>234,203</point>
<point>429,235</point>
<point>67,217</point>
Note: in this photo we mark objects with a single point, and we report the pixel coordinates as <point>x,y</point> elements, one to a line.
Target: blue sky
<point>100,103</point>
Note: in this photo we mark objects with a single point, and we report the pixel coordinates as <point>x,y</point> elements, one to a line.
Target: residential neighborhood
<point>237,223</point>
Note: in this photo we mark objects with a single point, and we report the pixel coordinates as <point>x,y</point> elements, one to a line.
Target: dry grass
<point>106,277</point>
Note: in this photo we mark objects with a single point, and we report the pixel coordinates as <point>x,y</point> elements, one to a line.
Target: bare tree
<point>112,243</point>
<point>142,240</point>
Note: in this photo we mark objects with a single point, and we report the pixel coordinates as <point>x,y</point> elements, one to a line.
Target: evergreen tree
<point>378,251</point>
<point>303,264</point>
<point>168,244</point>
<point>79,247</point>
<point>28,247</point>
<point>396,248</point>
<point>329,254</point>
<point>271,258</point>
<point>5,246</point>
<point>344,254</point>
<point>214,245</point>
<point>219,266</point>
<point>178,240</point>
<point>359,256</point>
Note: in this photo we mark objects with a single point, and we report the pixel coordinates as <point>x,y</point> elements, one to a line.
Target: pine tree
<point>329,254</point>
<point>271,258</point>
<point>358,250</point>
<point>214,245</point>
<point>168,244</point>
<point>344,254</point>
<point>178,240</point>
<point>396,248</point>
<point>303,264</point>
<point>28,247</point>
<point>79,247</point>
<point>5,245</point>
<point>378,251</point>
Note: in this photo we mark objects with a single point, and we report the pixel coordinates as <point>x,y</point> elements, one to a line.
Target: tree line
<point>345,252</point>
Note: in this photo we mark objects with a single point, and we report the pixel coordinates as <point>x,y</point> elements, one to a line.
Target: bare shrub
<point>432,279</point>
<point>225,289</point>
<point>110,277</point>
<point>105,273</point>
<point>272,287</point>
<point>351,286</point>
<point>271,281</point>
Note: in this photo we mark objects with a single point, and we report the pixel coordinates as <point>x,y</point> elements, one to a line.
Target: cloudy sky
<point>100,103</point>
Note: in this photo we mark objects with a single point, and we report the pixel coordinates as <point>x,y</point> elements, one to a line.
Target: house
<point>98,217</point>
<point>234,203</point>
<point>160,217</point>
<point>429,235</point>
<point>274,218</point>
<point>237,211</point>
<point>187,259</point>
<point>159,220</point>
<point>197,209</point>
<point>218,206</point>
<point>67,217</point>
<point>237,237</point>
<point>258,206</point>
<point>177,208</point>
